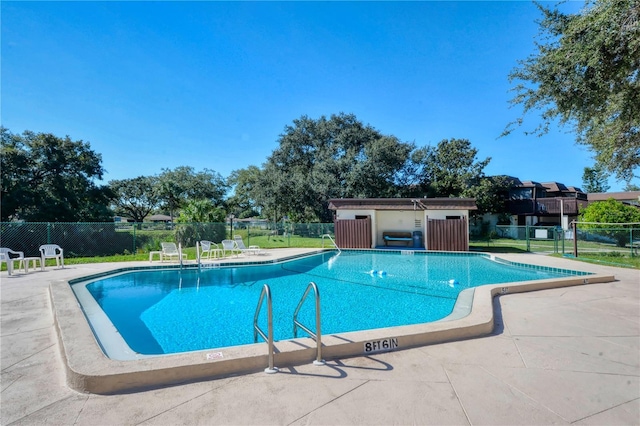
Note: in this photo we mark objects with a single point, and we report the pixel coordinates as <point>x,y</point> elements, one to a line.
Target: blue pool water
<point>170,311</point>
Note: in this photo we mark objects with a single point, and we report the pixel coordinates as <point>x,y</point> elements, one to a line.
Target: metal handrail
<point>317,336</point>
<point>330,239</point>
<point>198,255</point>
<point>266,292</point>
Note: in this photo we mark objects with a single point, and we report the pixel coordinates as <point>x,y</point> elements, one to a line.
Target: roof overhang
<point>403,204</point>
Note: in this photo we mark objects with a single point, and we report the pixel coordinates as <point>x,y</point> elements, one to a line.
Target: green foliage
<point>147,241</point>
<point>201,211</point>
<point>245,183</point>
<point>200,220</point>
<point>610,212</point>
<point>453,167</point>
<point>585,74</point>
<point>631,187</point>
<point>176,187</point>
<point>594,179</point>
<point>490,193</point>
<point>322,159</point>
<point>47,178</point>
<point>135,198</point>
<point>188,234</point>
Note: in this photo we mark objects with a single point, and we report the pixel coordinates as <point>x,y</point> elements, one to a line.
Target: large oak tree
<point>336,157</point>
<point>46,178</point>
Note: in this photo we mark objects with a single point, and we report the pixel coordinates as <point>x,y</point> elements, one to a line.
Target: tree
<point>585,74</point>
<point>245,183</point>
<point>450,168</point>
<point>610,212</point>
<point>176,187</point>
<point>594,179</point>
<point>50,179</point>
<point>201,211</point>
<point>200,220</point>
<point>136,197</point>
<point>490,193</point>
<point>325,158</point>
<point>631,187</point>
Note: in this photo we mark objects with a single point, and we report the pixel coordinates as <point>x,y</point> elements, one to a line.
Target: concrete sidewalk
<point>561,356</point>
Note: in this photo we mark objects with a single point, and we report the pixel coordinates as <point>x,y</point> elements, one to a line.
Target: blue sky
<point>155,85</point>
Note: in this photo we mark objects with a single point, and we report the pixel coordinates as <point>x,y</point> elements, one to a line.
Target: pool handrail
<point>266,293</point>
<point>317,336</point>
<point>330,239</point>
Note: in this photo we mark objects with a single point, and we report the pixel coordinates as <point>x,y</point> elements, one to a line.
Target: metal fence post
<point>526,232</point>
<point>134,240</point>
<point>48,232</point>
<point>575,238</point>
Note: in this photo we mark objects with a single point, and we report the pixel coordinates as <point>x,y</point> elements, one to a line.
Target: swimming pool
<point>155,312</point>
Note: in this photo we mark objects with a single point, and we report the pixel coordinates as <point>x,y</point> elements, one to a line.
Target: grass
<point>606,259</point>
<point>588,251</point>
<point>265,242</point>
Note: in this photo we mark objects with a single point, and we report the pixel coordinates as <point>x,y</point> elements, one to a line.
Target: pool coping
<point>89,370</point>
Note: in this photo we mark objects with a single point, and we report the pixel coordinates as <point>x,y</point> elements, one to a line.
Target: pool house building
<point>403,223</point>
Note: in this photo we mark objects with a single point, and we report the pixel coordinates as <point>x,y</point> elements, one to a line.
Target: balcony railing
<point>546,206</point>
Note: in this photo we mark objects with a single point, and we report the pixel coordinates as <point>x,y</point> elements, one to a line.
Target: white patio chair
<point>6,257</point>
<point>170,250</point>
<point>229,246</point>
<point>244,249</point>
<point>208,249</point>
<point>52,251</point>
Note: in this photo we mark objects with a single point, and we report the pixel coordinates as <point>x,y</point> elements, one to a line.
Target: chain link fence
<point>609,240</point>
<point>122,238</point>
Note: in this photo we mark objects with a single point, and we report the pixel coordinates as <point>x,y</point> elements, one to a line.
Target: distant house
<point>416,223</point>
<point>121,219</point>
<point>159,218</point>
<point>252,222</point>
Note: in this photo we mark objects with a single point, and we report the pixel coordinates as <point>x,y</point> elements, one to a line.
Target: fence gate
<point>447,234</point>
<point>353,233</point>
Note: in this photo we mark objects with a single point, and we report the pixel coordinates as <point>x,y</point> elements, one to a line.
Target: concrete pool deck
<point>566,355</point>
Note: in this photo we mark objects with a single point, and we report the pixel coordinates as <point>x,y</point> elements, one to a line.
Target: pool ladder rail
<point>268,337</point>
<point>317,336</point>
<point>266,293</point>
<point>332,241</point>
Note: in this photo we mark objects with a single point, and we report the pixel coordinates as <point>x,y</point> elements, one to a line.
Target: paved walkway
<point>562,356</point>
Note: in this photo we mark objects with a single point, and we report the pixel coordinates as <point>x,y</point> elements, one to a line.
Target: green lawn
<point>624,261</point>
<point>588,251</point>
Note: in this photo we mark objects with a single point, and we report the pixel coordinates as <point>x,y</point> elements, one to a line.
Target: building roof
<point>530,184</point>
<point>159,218</point>
<point>403,204</point>
<point>555,186</point>
<point>560,187</point>
<point>628,196</point>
